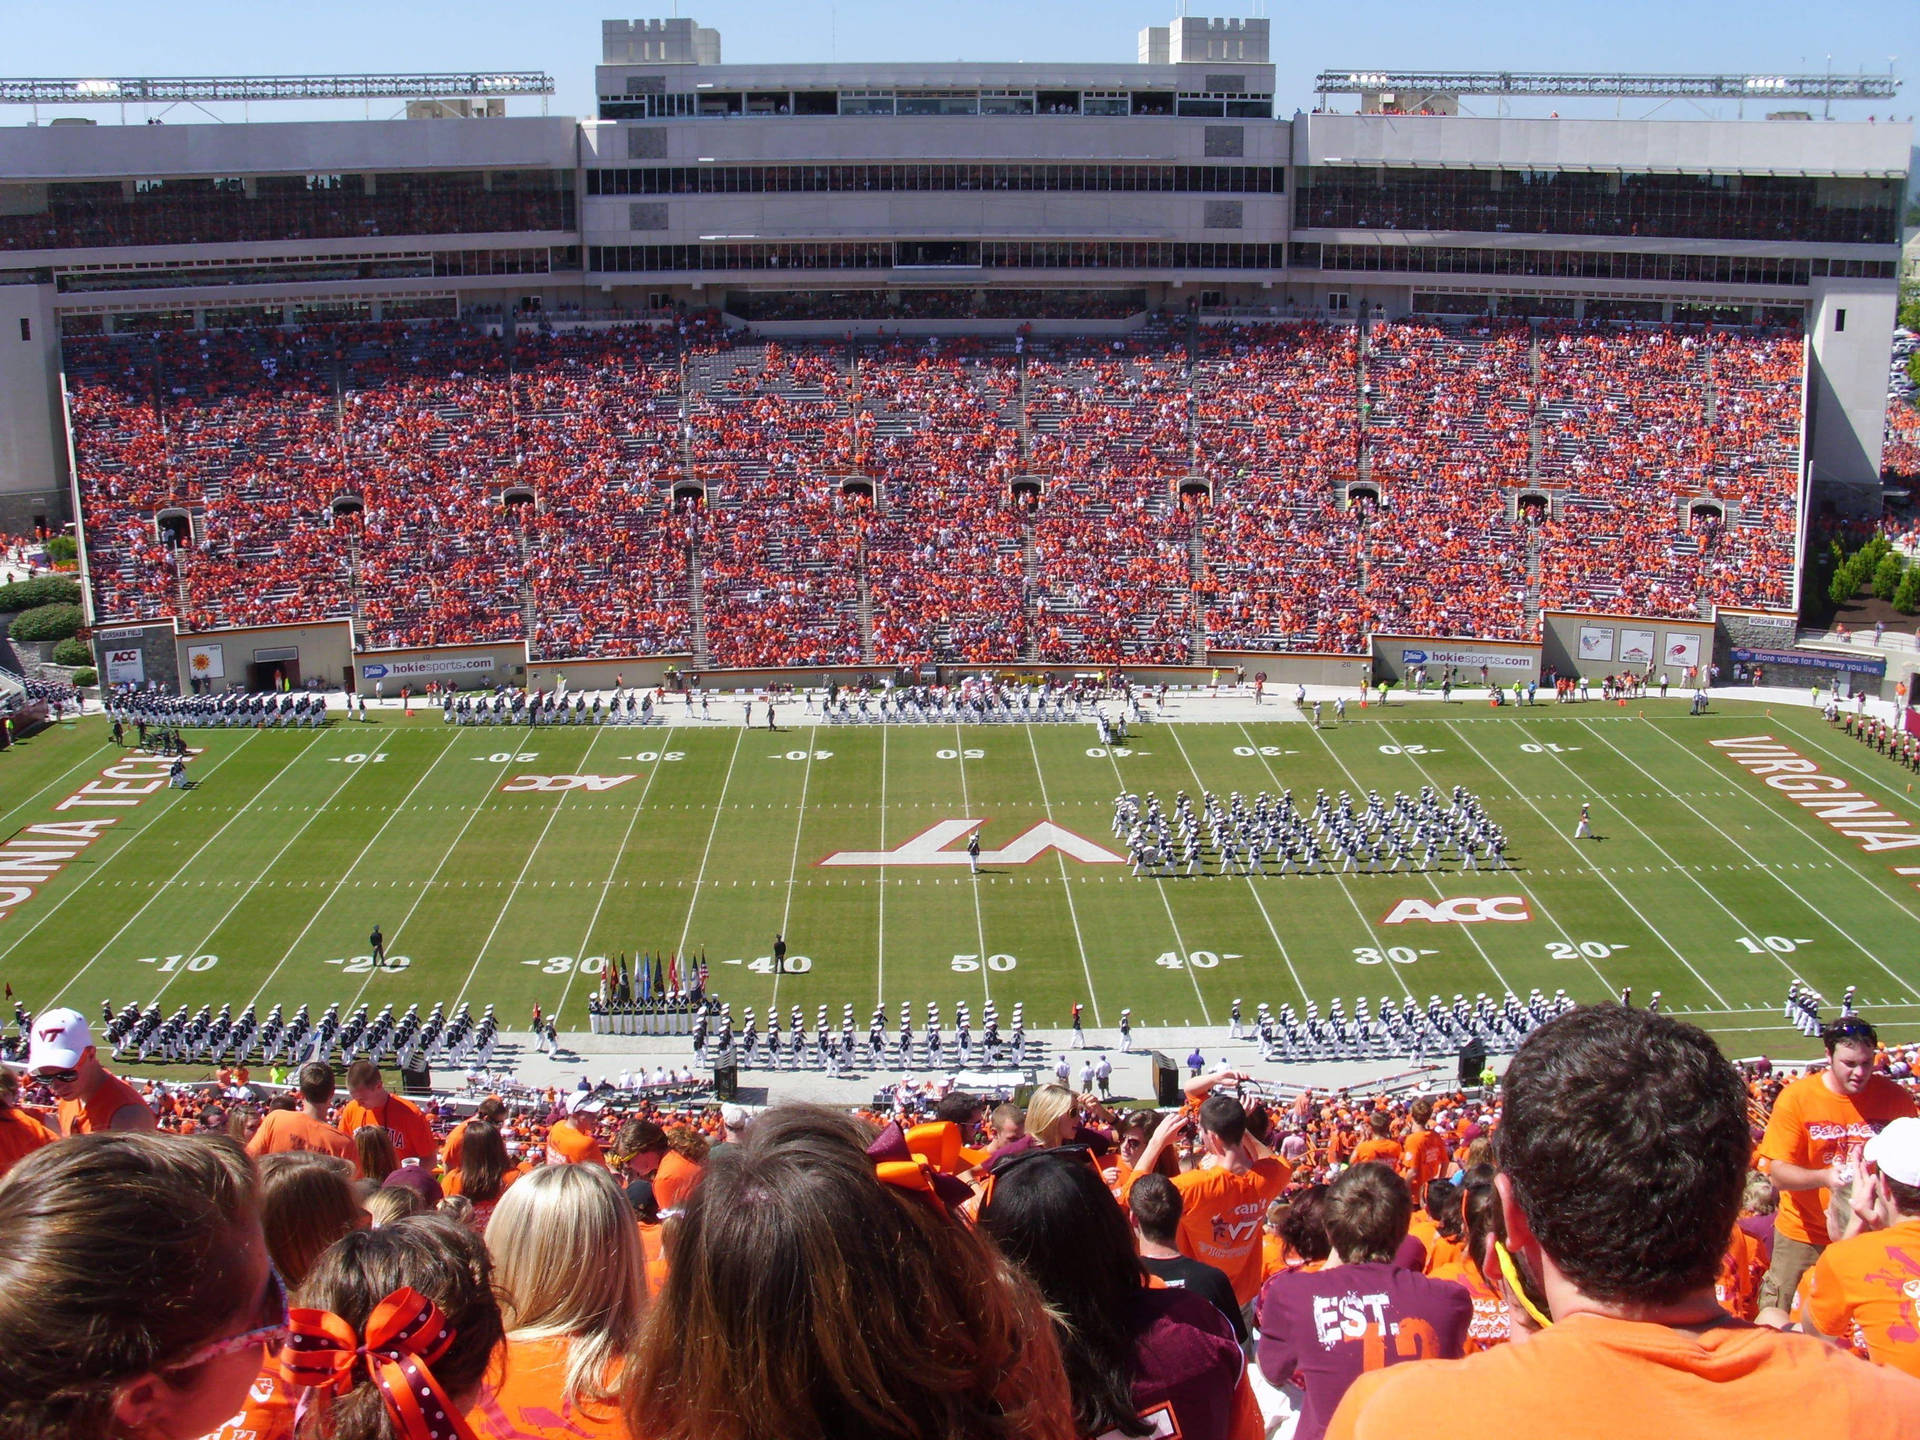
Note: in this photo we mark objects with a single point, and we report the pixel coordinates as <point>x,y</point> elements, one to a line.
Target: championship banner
<point>1636,647</point>
<point>1683,648</point>
<point>206,662</point>
<point>1596,642</point>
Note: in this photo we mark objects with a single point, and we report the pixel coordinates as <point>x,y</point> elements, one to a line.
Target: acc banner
<point>207,662</point>
<point>126,667</point>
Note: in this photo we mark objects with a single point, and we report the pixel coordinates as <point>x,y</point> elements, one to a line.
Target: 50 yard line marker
<point>719,809</point>
<point>1060,858</point>
<point>793,864</point>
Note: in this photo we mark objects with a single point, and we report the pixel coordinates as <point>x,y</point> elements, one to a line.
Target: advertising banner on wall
<point>1683,648</point>
<point>126,667</point>
<point>206,662</point>
<point>1596,642</point>
<point>1513,661</point>
<point>427,665</point>
<point>1636,647</point>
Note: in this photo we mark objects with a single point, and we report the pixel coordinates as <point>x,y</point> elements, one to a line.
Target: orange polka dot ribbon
<point>405,1334</point>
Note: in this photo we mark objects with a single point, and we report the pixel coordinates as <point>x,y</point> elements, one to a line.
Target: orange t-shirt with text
<point>413,1137</point>
<point>1867,1289</point>
<point>1813,1127</point>
<point>283,1130</point>
<point>1572,1380</point>
<point>653,1250</point>
<point>1223,1217</point>
<point>1490,1325</point>
<point>269,1409</point>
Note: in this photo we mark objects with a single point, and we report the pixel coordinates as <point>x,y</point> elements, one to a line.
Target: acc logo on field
<point>1461,909</point>
<point>523,783</point>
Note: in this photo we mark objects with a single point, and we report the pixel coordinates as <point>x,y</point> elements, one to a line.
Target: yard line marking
<point>473,813</point>
<point>880,937</point>
<point>1060,858</point>
<point>1431,878</point>
<point>1365,924</point>
<point>1650,927</point>
<point>333,891</point>
<point>1812,909</point>
<point>1525,889</point>
<point>1252,889</point>
<point>525,865</point>
<point>1817,841</point>
<point>793,863</point>
<point>353,772</point>
<point>979,920</point>
<point>153,817</point>
<point>1178,939</point>
<point>606,889</point>
<point>165,885</point>
<point>719,809</point>
<point>88,761</point>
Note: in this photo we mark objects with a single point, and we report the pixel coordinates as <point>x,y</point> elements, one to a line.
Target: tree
<point>63,549</point>
<point>1907,599</point>
<point>46,622</point>
<point>1886,576</point>
<point>86,675</point>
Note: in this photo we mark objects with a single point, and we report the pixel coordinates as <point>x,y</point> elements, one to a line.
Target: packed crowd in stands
<point>1228,1269</point>
<point>1283,487</point>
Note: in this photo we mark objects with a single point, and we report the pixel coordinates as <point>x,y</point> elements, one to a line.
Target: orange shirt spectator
<point>568,1143</point>
<point>20,1133</point>
<point>525,1404</point>
<point>413,1137</point>
<point>291,1130</point>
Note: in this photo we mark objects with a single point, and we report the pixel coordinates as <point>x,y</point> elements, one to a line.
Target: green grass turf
<point>289,850</point>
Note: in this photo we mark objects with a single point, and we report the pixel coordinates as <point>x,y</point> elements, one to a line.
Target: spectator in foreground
<point>570,1325</point>
<point>306,1203</point>
<point>390,1320</point>
<point>20,1133</point>
<point>61,1057</point>
<point>1623,1152</point>
<point>1154,1204</point>
<point>370,1104</point>
<point>1812,1146</point>
<point>307,1127</point>
<point>1864,1282</point>
<point>135,1288</point>
<point>1360,1311</point>
<point>1139,1361</point>
<point>486,1170</point>
<point>374,1155</point>
<point>809,1298</point>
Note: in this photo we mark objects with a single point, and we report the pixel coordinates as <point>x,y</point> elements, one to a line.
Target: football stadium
<point>831,626</point>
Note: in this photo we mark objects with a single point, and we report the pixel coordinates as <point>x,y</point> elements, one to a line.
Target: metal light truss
<point>205,89</point>
<point>1559,83</point>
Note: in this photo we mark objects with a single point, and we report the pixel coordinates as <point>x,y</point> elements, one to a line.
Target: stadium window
<point>1839,321</point>
<point>26,328</point>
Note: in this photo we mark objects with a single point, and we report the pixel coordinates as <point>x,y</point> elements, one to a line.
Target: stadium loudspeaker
<point>1473,1060</point>
<point>1166,1082</point>
<point>726,1083</point>
<point>416,1082</point>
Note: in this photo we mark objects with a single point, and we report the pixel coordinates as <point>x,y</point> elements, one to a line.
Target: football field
<point>505,865</point>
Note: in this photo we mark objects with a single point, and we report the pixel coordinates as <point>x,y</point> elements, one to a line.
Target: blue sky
<point>116,37</point>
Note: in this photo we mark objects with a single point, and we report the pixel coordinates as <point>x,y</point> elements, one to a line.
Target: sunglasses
<point>56,1077</point>
<point>270,1334</point>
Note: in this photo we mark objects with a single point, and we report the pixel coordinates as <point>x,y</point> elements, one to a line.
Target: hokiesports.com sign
<point>1517,661</point>
<point>432,665</point>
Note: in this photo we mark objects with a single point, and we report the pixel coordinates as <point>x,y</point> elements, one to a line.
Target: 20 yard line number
<point>367,965</point>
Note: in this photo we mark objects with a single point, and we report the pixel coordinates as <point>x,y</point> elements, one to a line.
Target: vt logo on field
<point>1460,909</point>
<point>930,847</point>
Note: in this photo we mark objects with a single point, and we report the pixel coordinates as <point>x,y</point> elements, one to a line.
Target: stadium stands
<point>1146,498</point>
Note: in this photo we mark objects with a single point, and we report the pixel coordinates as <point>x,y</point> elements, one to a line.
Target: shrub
<point>63,549</point>
<point>46,622</point>
<point>86,675</point>
<point>1845,585</point>
<point>1886,576</point>
<point>1907,599</point>
<point>72,652</point>
<point>41,590</point>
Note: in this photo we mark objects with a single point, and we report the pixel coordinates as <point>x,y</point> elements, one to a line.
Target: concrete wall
<point>1395,655</point>
<point>33,451</point>
<point>470,667</point>
<point>630,673</point>
<point>1847,391</point>
<point>1285,668</point>
<point>322,650</point>
<point>1622,644</point>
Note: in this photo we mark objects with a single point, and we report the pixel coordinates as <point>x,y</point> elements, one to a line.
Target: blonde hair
<point>393,1202</point>
<point>567,1257</point>
<point>1046,1109</point>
